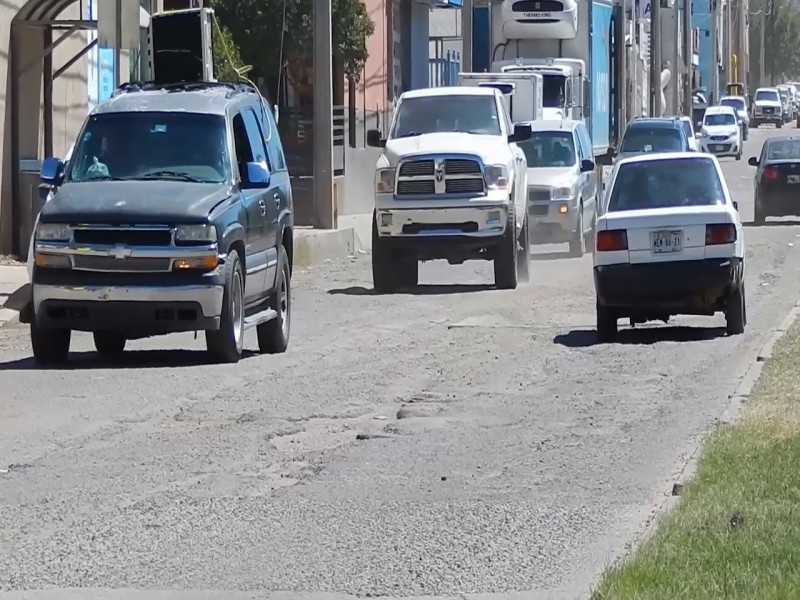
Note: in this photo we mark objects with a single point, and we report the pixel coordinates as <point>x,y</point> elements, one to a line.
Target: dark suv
<point>173,213</point>
<point>654,134</point>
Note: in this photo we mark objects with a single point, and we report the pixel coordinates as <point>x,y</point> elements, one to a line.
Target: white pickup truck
<point>450,184</point>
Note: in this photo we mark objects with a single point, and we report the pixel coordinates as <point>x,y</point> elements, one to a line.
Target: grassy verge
<point>735,533</point>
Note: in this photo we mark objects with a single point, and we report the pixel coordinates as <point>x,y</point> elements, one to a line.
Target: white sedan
<point>669,242</point>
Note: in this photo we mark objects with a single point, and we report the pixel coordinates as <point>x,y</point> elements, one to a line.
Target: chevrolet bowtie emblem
<point>119,251</point>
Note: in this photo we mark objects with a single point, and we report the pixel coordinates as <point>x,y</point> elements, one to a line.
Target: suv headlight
<point>496,177</point>
<point>384,181</point>
<point>564,191</point>
<point>53,232</point>
<point>196,233</point>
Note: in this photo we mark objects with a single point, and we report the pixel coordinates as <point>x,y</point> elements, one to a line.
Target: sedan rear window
<point>665,184</point>
<point>652,139</point>
<point>783,150</point>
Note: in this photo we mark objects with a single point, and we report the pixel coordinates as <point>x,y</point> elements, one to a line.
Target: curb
<point>8,317</point>
<point>669,495</point>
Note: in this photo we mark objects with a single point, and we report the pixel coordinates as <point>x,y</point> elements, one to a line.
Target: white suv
<point>450,184</point>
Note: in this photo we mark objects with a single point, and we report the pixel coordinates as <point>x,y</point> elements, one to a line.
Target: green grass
<point>736,530</point>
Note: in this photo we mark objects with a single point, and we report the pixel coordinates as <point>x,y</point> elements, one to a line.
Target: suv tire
<point>273,336</point>
<point>225,344</point>
<point>577,245</point>
<point>50,346</point>
<point>109,343</point>
<point>524,259</point>
<point>506,261</point>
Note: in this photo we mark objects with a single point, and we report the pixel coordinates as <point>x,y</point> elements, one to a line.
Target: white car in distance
<point>721,134</point>
<point>669,242</point>
<point>688,129</point>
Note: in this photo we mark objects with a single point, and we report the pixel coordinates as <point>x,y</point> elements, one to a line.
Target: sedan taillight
<point>720,233</point>
<point>611,241</point>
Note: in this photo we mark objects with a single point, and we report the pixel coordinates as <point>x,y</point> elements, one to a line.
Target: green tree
<point>277,35</point>
<point>228,65</point>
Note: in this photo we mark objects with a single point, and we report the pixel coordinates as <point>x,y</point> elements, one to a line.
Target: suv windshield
<point>152,145</point>
<point>549,149</point>
<point>666,183</point>
<point>652,139</point>
<point>770,95</point>
<point>734,103</point>
<point>719,119</point>
<point>439,114</point>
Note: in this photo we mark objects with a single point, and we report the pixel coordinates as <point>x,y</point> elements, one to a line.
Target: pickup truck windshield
<point>440,114</point>
<point>719,119</point>
<point>666,183</point>
<point>549,149</point>
<point>169,146</point>
<point>734,103</point>
<point>652,139</point>
<point>553,91</point>
<point>770,95</point>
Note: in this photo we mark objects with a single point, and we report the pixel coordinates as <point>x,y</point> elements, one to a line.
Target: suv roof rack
<point>232,87</point>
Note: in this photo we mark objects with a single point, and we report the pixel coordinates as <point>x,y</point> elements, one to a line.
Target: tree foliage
<point>265,43</point>
<point>227,58</point>
<point>782,37</point>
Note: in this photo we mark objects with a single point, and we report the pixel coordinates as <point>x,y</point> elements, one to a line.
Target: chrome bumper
<point>470,221</point>
<point>209,298</point>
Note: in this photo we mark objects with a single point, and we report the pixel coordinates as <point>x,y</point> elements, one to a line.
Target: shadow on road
<point>134,359</point>
<point>584,338</point>
<point>551,256</point>
<point>420,290</point>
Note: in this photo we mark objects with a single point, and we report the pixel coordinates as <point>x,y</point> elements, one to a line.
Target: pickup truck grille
<point>127,236</point>
<point>440,176</point>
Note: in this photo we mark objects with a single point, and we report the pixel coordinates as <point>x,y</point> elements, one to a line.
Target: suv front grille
<point>126,236</point>
<point>122,265</point>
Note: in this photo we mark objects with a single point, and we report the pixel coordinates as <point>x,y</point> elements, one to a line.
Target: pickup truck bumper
<point>131,305</point>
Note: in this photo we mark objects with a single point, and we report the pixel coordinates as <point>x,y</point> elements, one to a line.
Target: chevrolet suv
<point>174,213</point>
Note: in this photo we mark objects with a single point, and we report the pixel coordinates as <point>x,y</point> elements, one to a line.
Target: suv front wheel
<point>225,344</point>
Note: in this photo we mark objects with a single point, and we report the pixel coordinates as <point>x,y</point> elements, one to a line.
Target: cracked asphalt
<point>457,440</point>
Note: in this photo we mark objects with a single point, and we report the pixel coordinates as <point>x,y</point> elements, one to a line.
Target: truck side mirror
<point>374,139</point>
<point>587,166</point>
<point>522,133</point>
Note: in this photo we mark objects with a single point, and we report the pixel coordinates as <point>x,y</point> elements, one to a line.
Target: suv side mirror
<point>52,171</point>
<point>374,139</point>
<point>256,175</point>
<point>752,161</point>
<point>522,132</point>
<point>587,166</point>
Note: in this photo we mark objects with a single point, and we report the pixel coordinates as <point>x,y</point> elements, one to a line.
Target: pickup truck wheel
<point>384,278</point>
<point>50,346</point>
<point>506,267</point>
<point>524,259</point>
<point>225,344</point>
<point>408,269</point>
<point>736,311</point>
<point>109,343</point>
<point>606,324</point>
<point>577,245</point>
<point>273,336</point>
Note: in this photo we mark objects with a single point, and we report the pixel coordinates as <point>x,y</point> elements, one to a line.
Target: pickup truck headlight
<point>564,191</point>
<point>496,177</point>
<point>53,232</point>
<point>196,233</point>
<point>384,181</point>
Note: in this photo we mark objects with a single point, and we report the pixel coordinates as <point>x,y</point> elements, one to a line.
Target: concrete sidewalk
<point>13,291</point>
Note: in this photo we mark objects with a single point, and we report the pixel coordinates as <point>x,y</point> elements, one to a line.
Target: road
<point>458,440</point>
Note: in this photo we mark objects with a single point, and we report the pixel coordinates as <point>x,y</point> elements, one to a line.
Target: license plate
<point>793,179</point>
<point>664,242</point>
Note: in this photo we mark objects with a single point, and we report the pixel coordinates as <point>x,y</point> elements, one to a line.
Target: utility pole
<point>761,63</point>
<point>466,35</point>
<point>687,56</point>
<point>675,68</point>
<point>655,58</point>
<point>323,116</point>
<point>714,31</point>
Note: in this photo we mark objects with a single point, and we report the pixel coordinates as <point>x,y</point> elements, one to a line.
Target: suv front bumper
<point>135,308</point>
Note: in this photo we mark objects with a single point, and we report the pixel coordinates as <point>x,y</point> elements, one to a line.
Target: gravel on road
<point>457,440</point>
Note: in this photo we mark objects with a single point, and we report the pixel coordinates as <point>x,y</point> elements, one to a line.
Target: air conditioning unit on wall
<point>180,46</point>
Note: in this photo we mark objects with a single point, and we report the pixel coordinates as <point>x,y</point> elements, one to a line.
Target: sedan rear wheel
<point>736,311</point>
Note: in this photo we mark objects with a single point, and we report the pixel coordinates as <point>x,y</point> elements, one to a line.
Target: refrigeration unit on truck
<point>522,92</point>
<point>571,44</point>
